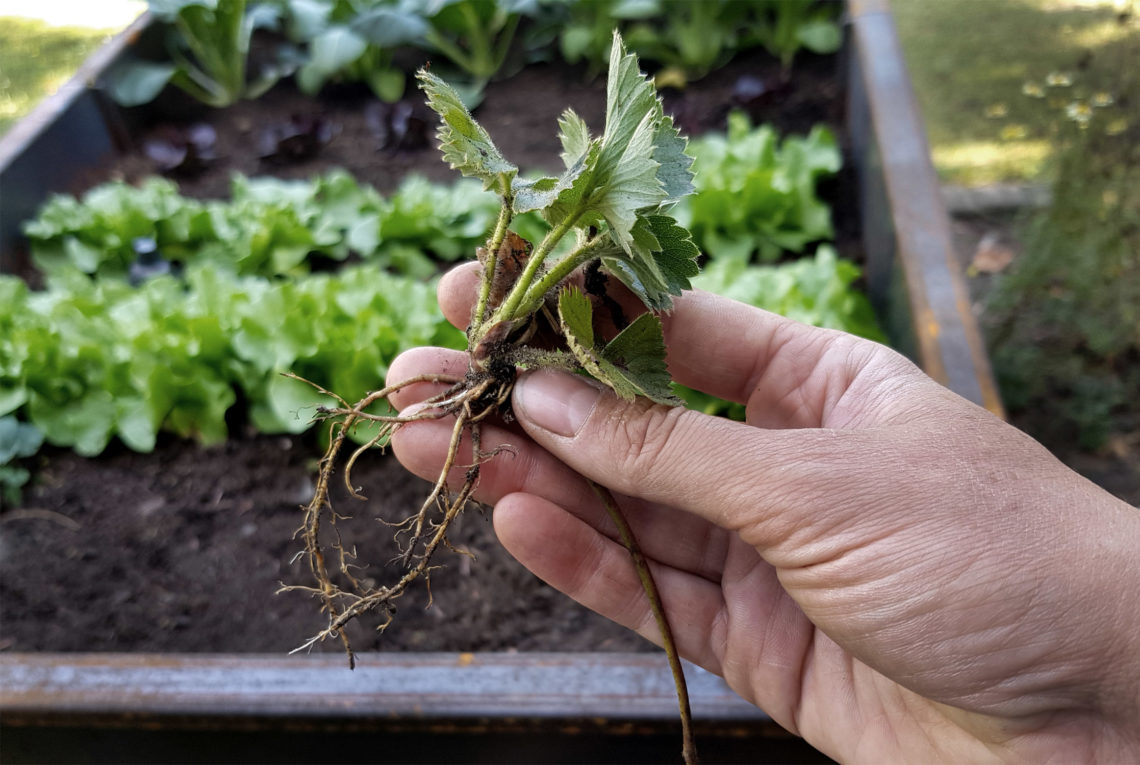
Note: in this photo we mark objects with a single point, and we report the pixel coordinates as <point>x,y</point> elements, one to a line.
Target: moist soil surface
<point>184,549</point>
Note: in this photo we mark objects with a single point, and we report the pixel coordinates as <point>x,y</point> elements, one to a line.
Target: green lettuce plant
<point>269,227</point>
<point>84,361</point>
<point>476,35</point>
<point>17,440</point>
<point>352,40</point>
<point>692,38</point>
<point>208,48</point>
<point>756,196</point>
<point>785,27</point>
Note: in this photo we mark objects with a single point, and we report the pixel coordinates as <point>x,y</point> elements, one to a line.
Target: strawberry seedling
<point>611,206</point>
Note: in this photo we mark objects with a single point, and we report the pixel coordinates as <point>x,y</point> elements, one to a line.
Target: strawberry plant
<point>611,208</point>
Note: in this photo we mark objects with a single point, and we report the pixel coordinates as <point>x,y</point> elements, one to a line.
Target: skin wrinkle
<point>755,573</point>
<point>836,384</point>
<point>1025,558</point>
<point>1108,607</point>
<point>857,382</point>
<point>834,532</point>
<point>719,631</point>
<point>1047,671</point>
<point>781,346</point>
<point>976,641</point>
<point>870,708</point>
<point>807,485</point>
<point>804,673</point>
<point>845,568</point>
<point>650,444</point>
<point>989,644</point>
<point>829,670</point>
<point>654,444</point>
<point>811,360</point>
<point>1117,681</point>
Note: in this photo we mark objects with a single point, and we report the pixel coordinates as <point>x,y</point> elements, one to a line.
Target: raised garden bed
<point>173,533</point>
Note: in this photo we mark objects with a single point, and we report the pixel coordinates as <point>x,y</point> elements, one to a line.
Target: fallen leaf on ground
<point>992,256</point>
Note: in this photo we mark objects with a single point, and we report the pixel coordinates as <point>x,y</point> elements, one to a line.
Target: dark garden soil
<point>183,549</point>
<point>381,143</point>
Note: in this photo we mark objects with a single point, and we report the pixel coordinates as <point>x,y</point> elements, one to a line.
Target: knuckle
<point>646,437</point>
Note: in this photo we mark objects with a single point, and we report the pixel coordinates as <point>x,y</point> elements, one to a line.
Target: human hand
<point>886,569</point>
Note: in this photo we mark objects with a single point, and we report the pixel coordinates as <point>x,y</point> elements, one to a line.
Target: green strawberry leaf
<point>562,197</point>
<point>466,146</point>
<point>659,264</point>
<point>574,136</point>
<point>632,364</point>
<point>638,353</point>
<point>637,165</point>
<point>675,173</point>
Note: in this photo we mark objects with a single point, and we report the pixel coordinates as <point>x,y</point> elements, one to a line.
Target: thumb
<point>765,484</point>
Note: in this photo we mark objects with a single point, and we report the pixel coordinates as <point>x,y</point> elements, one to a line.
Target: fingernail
<point>555,401</point>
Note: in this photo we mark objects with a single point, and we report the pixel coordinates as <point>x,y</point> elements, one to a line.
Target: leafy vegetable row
<point>694,38</point>
<point>87,360</point>
<point>269,227</point>
<point>208,51</point>
<point>756,198</point>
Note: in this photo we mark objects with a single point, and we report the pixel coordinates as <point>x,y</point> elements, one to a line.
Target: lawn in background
<point>35,59</point>
<point>42,43</point>
<point>970,61</point>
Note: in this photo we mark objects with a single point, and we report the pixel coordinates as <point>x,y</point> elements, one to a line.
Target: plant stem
<point>504,45</point>
<point>493,245</point>
<point>563,268</point>
<point>481,57</point>
<point>510,307</point>
<point>688,745</point>
<point>450,49</point>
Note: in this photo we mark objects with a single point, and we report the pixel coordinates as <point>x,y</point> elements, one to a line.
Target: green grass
<point>969,60</point>
<point>35,59</point>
